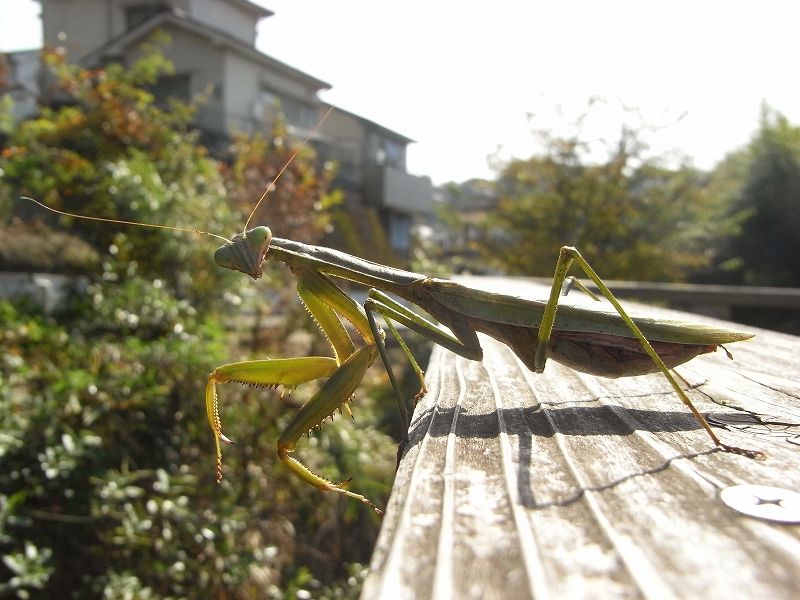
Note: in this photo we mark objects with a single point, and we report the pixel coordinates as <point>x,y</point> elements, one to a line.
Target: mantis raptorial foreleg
<point>325,301</point>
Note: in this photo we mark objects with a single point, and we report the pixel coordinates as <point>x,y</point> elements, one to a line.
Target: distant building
<point>372,173</point>
<point>213,50</point>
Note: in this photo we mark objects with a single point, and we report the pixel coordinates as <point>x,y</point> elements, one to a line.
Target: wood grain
<point>564,485</point>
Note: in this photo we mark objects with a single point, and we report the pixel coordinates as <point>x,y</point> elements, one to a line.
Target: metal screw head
<point>764,502</point>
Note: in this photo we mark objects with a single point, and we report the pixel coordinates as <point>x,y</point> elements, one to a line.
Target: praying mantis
<point>599,340</point>
<point>596,338</point>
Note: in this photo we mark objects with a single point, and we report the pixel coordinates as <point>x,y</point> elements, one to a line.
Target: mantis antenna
<point>296,152</point>
<point>171,227</point>
<point>121,222</point>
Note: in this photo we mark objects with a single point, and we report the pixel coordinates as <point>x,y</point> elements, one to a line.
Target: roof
<point>259,11</point>
<point>373,124</point>
<point>179,18</point>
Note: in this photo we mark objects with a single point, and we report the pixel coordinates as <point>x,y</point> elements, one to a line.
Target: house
<point>213,50</point>
<point>372,174</point>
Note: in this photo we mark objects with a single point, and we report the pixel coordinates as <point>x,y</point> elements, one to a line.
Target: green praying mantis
<point>593,338</point>
<point>599,340</point>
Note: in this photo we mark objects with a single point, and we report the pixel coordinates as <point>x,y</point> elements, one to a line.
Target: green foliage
<point>768,190</point>
<point>108,151</point>
<point>106,456</point>
<point>93,420</point>
<point>6,114</point>
<point>106,459</point>
<point>630,218</point>
<point>6,101</point>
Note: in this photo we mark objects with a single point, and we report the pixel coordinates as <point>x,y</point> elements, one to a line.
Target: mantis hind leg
<point>566,257</point>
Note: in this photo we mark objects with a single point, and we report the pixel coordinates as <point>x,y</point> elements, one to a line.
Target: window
<point>399,232</point>
<point>300,115</point>
<point>388,152</point>
<point>394,154</point>
<point>134,15</point>
<point>177,87</point>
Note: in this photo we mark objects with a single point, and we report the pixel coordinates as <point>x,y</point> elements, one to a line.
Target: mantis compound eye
<point>259,238</point>
<point>224,257</point>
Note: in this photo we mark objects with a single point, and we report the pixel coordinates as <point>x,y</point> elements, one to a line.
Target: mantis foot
<point>755,454</point>
<point>420,395</point>
<point>339,487</point>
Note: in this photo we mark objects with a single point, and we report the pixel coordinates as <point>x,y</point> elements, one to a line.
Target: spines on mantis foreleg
<point>321,482</point>
<point>212,410</point>
<point>287,372</point>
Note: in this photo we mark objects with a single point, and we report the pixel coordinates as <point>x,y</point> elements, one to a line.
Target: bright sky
<point>460,77</point>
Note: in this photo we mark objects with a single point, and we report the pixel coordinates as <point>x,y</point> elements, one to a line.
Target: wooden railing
<point>564,485</point>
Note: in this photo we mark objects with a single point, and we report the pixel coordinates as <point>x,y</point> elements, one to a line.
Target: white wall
<point>241,90</point>
<point>87,23</point>
<point>226,16</point>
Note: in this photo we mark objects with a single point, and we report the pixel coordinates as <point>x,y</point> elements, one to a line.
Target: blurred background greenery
<point>106,458</point>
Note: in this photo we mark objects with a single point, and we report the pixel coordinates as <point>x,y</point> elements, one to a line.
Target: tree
<point>767,252</point>
<point>107,150</point>
<point>255,162</point>
<point>631,218</point>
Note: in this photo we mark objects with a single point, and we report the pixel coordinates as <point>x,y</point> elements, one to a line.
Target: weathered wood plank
<point>564,485</point>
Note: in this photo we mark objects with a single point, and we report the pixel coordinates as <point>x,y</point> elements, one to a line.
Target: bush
<point>107,475</point>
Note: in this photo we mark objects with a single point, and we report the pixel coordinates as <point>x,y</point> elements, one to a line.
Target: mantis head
<point>245,252</point>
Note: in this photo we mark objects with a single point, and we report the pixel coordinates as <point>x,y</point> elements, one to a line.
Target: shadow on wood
<point>564,485</point>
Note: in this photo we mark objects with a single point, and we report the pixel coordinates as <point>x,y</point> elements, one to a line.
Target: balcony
<point>393,189</point>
